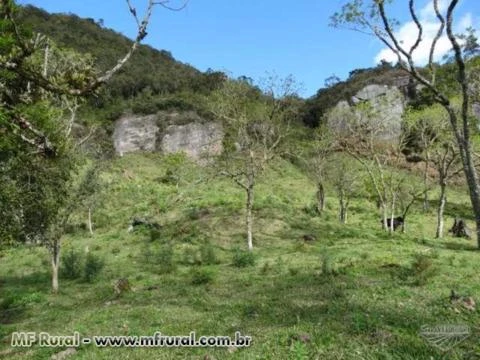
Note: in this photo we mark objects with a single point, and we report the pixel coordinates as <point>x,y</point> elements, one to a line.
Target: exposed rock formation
<point>387,106</point>
<point>196,140</point>
<point>135,133</point>
<point>144,133</point>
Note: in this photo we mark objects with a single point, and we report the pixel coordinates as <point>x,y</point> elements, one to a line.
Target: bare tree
<point>345,178</point>
<point>445,157</point>
<point>361,132</point>
<point>256,123</point>
<point>317,158</point>
<point>371,17</point>
<point>432,126</point>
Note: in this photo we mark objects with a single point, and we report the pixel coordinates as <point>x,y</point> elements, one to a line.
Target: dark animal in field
<point>309,238</point>
<point>460,229</point>
<point>138,222</point>
<point>397,221</point>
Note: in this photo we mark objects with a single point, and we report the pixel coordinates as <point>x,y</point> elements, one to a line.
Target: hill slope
<point>355,292</point>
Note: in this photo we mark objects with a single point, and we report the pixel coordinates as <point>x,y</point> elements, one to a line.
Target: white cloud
<point>428,12</point>
<point>408,32</point>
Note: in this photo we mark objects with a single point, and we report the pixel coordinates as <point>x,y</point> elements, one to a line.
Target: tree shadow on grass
<point>453,210</point>
<point>19,292</point>
<point>450,244</point>
<point>328,303</point>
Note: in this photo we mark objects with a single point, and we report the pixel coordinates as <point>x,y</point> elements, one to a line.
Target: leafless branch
<point>411,5</point>
<point>435,40</point>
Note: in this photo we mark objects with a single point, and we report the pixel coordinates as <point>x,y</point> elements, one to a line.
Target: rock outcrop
<point>135,133</point>
<point>196,140</point>
<point>387,104</point>
<point>168,133</point>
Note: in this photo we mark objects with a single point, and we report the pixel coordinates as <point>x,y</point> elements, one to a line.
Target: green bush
<point>93,265</point>
<point>327,264</point>
<point>207,254</point>
<point>155,234</point>
<point>191,256</point>
<point>202,276</point>
<point>164,258</point>
<point>242,258</point>
<point>72,261</point>
<point>422,269</point>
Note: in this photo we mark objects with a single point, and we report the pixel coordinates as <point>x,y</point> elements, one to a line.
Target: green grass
<point>356,292</point>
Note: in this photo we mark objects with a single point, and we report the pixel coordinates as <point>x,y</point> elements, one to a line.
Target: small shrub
<point>164,258</point>
<point>72,264</point>
<point>311,210</point>
<point>155,234</point>
<point>93,265</point>
<point>422,269</point>
<point>327,264</point>
<point>191,256</point>
<point>202,276</point>
<point>207,254</point>
<point>116,250</point>
<point>242,258</point>
<point>299,351</point>
<point>266,268</point>
<point>293,271</point>
<point>196,213</point>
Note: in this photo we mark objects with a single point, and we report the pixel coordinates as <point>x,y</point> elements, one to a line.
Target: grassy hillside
<point>354,293</point>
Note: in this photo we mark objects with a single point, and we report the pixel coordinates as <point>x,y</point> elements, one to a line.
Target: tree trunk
<point>471,175</point>
<point>385,216</point>
<point>320,197</point>
<point>426,203</point>
<point>90,227</point>
<point>392,228</point>
<point>249,219</point>
<point>343,209</point>
<point>55,253</point>
<point>343,214</point>
<point>466,152</point>
<point>441,208</point>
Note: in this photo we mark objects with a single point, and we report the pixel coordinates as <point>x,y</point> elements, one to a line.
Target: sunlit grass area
<point>355,292</point>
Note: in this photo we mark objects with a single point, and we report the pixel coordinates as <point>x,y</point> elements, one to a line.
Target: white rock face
<point>142,133</point>
<point>134,133</point>
<point>196,140</point>
<point>387,104</point>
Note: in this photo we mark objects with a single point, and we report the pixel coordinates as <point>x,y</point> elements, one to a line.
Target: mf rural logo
<point>445,337</point>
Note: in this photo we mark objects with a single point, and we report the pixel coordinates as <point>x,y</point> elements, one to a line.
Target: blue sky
<point>252,37</point>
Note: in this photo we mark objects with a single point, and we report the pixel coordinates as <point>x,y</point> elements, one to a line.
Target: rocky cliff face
<point>198,139</point>
<point>135,134</point>
<point>386,103</point>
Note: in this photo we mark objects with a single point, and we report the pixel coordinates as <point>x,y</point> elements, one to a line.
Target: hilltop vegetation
<point>152,77</point>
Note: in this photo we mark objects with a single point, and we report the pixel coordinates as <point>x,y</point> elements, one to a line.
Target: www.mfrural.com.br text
<point>44,339</point>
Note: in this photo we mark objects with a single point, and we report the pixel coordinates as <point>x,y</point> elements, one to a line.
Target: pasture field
<point>356,292</point>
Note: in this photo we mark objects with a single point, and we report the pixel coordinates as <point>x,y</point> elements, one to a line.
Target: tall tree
<point>371,17</point>
<point>256,123</point>
<point>38,158</point>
